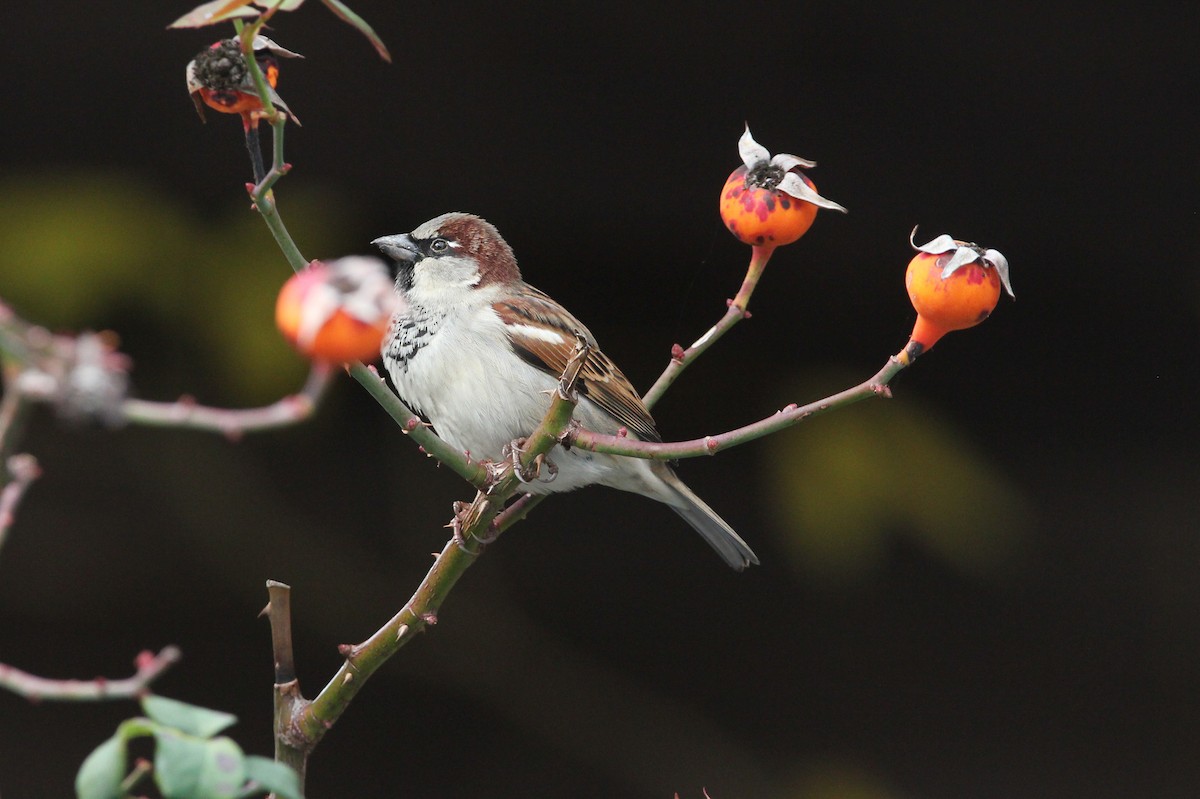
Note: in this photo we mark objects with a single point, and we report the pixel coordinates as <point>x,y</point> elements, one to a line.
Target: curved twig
<point>876,386</point>
<point>36,689</point>
<point>233,422</point>
<point>681,358</point>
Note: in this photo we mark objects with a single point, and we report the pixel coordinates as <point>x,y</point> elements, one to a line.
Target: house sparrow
<point>476,349</point>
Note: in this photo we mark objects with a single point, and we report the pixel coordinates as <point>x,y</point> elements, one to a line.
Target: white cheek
<point>435,276</point>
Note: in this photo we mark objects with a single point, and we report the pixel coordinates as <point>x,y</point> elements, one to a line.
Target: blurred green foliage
<point>843,485</point>
<point>78,250</point>
<point>837,779</point>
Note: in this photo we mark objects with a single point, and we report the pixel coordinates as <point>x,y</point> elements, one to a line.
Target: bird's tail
<point>719,535</point>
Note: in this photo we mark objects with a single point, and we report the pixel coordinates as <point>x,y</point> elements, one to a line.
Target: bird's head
<point>454,252</point>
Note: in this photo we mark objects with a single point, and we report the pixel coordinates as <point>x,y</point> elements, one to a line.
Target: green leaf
<point>214,12</point>
<point>186,767</point>
<point>271,776</point>
<point>346,15</point>
<point>194,720</point>
<point>102,771</point>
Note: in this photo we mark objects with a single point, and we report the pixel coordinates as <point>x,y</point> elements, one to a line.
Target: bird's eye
<point>439,245</point>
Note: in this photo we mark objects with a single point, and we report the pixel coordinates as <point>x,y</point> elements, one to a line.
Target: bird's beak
<point>400,247</point>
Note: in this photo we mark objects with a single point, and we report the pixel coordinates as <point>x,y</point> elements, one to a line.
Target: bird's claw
<point>456,523</point>
<point>494,471</point>
<point>461,512</point>
<point>527,474</point>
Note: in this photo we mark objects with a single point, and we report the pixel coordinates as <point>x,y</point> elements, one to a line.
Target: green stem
<point>471,471</point>
<point>479,525</point>
<point>759,255</point>
<point>363,660</point>
<point>517,511</point>
<point>141,770</point>
<point>264,201</point>
<point>262,194</point>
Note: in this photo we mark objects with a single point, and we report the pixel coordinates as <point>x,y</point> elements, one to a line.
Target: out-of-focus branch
<point>86,376</point>
<point>233,422</point>
<point>149,667</point>
<point>14,409</point>
<point>19,473</point>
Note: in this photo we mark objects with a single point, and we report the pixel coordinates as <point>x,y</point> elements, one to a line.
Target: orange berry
<point>768,201</point>
<point>219,78</point>
<point>960,301</point>
<point>952,286</point>
<point>331,313</point>
<point>757,215</point>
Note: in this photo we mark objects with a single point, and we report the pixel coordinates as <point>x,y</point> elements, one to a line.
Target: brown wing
<point>543,334</point>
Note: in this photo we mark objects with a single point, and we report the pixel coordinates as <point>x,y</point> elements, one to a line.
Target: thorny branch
<point>300,729</point>
<point>876,386</point>
<point>682,358</point>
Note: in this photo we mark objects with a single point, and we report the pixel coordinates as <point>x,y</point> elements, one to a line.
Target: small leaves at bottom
<point>192,719</point>
<point>187,767</point>
<point>102,771</point>
<point>270,776</point>
<point>189,762</point>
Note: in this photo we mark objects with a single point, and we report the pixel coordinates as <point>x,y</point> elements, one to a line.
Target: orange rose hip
<point>339,311</point>
<point>768,201</point>
<point>953,285</point>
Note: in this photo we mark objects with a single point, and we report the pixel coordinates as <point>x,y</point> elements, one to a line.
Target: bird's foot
<point>456,523</point>
<point>462,517</point>
<point>494,472</point>
<point>527,474</point>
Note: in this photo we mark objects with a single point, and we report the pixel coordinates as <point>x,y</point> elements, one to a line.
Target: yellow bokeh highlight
<point>78,249</point>
<point>843,485</point>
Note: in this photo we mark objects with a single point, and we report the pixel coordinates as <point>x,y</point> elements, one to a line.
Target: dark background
<point>986,587</point>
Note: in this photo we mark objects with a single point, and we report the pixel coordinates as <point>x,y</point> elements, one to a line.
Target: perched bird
<point>475,350</point>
